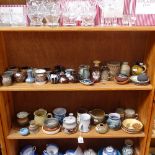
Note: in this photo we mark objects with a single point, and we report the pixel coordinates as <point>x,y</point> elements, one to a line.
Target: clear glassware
<point>88,12</point>
<point>36,12</point>
<point>70,12</point>
<point>53,12</point>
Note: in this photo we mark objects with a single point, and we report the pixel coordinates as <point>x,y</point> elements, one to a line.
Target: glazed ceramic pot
<point>102,128</point>
<point>128,148</point>
<point>51,123</point>
<point>54,78</point>
<point>60,114</point>
<point>125,69</point>
<point>33,127</point>
<point>114,68</point>
<point>6,80</point>
<point>84,125</point>
<point>40,76</point>
<point>139,68</point>
<point>114,121</point>
<point>84,72</point>
<point>24,131</point>
<point>96,71</point>
<point>28,150</point>
<point>19,76</point>
<point>69,124</point>
<point>105,74</point>
<point>30,78</point>
<point>22,118</point>
<point>98,115</point>
<point>51,149</point>
<point>63,78</point>
<point>40,115</point>
<point>109,151</point>
<point>130,113</point>
<point>80,112</point>
<point>71,75</point>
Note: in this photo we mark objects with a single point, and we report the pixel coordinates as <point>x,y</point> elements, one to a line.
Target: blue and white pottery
<point>24,131</point>
<point>51,149</point>
<point>28,150</point>
<point>108,151</point>
<point>60,114</point>
<point>30,78</point>
<point>54,78</point>
<point>87,82</point>
<point>114,121</point>
<point>128,148</point>
<point>70,152</point>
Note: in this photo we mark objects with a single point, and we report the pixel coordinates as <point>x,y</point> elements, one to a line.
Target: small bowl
<point>51,123</point>
<point>24,131</point>
<point>87,82</point>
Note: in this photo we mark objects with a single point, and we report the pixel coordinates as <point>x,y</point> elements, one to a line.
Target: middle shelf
<point>107,86</point>
<point>14,134</point>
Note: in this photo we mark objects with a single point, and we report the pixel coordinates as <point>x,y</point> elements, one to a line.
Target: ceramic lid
<point>22,114</point>
<point>70,119</point>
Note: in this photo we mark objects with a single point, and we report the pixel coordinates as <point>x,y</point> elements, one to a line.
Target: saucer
<point>87,82</point>
<point>50,132</point>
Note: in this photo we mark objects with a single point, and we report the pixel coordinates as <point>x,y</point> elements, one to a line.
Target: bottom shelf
<point>14,134</point>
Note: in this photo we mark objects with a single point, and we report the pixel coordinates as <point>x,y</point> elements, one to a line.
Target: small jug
<point>128,148</point>
<point>40,115</point>
<point>30,78</point>
<point>84,72</point>
<point>96,71</point>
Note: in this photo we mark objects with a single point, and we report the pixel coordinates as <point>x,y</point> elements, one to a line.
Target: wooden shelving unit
<point>72,46</point>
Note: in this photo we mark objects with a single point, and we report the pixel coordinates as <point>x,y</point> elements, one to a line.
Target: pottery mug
<point>40,116</point>
<point>80,112</point>
<point>84,125</point>
<point>130,113</point>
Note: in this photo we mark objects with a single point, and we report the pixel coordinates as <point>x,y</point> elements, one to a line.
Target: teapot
<point>109,151</point>
<point>138,69</point>
<point>51,149</point>
<point>28,150</point>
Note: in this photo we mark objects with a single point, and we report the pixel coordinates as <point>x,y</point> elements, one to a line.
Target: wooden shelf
<point>97,28</point>
<point>14,134</point>
<point>153,136</point>
<point>108,86</point>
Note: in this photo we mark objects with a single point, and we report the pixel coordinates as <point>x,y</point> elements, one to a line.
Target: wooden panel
<point>2,2</point>
<point>107,86</point>
<point>74,29</point>
<point>73,48</point>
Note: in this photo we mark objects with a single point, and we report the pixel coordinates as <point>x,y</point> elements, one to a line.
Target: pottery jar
<point>40,115</point>
<point>96,71</point>
<point>40,76</point>
<point>63,78</point>
<point>81,111</point>
<point>109,151</point>
<point>125,69</point>
<point>128,148</point>
<point>54,78</point>
<point>19,77</point>
<point>30,78</point>
<point>6,80</point>
<point>60,113</point>
<point>114,121</point>
<point>84,125</point>
<point>69,124</point>
<point>71,75</point>
<point>84,72</point>
<point>102,128</point>
<point>130,113</point>
<point>24,131</point>
<point>33,127</point>
<point>105,74</point>
<point>22,118</point>
<point>98,115</point>
<point>114,68</point>
<point>51,123</point>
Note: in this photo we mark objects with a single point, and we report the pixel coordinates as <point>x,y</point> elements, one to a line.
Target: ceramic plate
<point>87,82</point>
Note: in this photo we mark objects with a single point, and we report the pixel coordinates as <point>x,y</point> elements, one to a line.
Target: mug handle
<point>49,115</point>
<point>144,67</point>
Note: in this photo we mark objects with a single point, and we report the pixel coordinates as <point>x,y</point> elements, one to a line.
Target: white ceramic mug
<point>84,125</point>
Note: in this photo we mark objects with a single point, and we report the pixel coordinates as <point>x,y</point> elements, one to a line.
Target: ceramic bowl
<point>24,131</point>
<point>22,114</point>
<point>132,124</point>
<point>51,122</point>
<point>87,82</point>
<point>121,78</point>
<point>102,128</point>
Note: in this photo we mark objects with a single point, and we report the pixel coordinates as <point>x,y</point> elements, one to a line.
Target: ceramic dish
<point>87,82</point>
<point>132,124</point>
<point>135,80</point>
<point>24,131</point>
<point>50,132</point>
<point>130,132</point>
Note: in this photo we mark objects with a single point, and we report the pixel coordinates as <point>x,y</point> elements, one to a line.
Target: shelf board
<point>108,86</point>
<point>153,136</point>
<point>76,28</point>
<point>14,134</point>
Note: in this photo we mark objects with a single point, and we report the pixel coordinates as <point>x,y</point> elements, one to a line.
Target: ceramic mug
<point>84,125</point>
<point>40,115</point>
<point>80,112</point>
<point>130,113</point>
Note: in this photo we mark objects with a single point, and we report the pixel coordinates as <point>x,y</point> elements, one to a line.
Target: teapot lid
<point>109,149</point>
<point>69,119</point>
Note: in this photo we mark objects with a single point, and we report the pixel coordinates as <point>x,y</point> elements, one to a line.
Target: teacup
<point>130,113</point>
<point>51,122</point>
<point>40,115</point>
<point>84,125</point>
<point>60,114</point>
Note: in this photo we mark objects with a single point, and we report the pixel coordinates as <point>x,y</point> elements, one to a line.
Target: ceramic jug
<point>96,72</point>
<point>109,151</point>
<point>40,115</point>
<point>84,125</point>
<point>30,78</point>
<point>128,148</point>
<point>105,74</point>
<point>84,72</point>
<point>114,121</point>
<point>125,69</point>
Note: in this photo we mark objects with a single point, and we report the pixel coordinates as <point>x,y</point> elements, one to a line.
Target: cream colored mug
<point>40,115</point>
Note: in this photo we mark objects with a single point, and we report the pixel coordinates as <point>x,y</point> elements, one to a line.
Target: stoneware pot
<point>7,80</point>
<point>33,127</point>
<point>114,121</point>
<point>128,148</point>
<point>22,118</point>
<point>102,128</point>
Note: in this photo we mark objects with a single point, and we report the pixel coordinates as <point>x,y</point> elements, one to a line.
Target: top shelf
<point>74,29</point>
